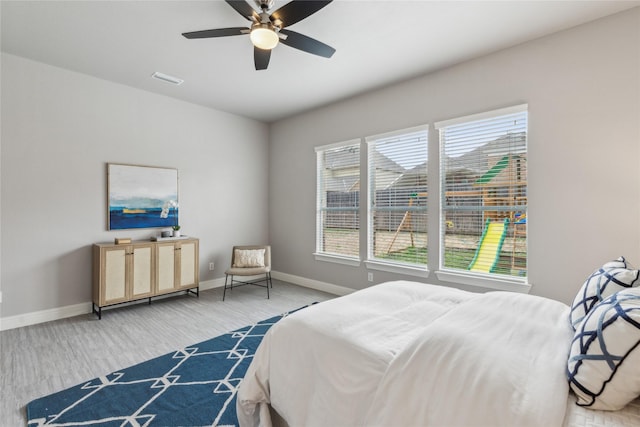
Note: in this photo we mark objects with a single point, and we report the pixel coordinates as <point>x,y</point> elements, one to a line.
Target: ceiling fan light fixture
<point>268,29</point>
<point>264,37</point>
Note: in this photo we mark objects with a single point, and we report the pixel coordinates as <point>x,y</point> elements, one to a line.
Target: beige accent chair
<point>252,260</point>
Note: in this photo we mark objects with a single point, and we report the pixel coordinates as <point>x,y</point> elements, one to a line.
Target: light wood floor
<point>41,359</point>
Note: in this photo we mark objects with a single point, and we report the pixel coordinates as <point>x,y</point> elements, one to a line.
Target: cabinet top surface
<point>148,241</point>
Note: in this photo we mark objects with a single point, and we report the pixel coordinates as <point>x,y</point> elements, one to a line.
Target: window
<point>397,200</point>
<point>483,178</point>
<point>338,195</point>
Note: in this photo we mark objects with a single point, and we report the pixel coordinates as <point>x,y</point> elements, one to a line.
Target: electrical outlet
<point>370,277</point>
<point>211,265</point>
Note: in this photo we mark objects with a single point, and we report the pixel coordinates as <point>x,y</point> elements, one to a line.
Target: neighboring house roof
<point>343,160</point>
<point>347,157</point>
<point>414,177</point>
<point>514,143</point>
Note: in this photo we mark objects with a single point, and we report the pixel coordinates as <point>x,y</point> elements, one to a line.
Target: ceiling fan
<point>268,29</point>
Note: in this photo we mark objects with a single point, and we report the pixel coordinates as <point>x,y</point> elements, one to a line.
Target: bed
<point>413,354</point>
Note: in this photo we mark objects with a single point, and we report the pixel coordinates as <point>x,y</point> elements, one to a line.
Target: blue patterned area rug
<point>194,386</point>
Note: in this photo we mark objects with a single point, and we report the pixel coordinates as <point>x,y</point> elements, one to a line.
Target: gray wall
<point>60,128</point>
<point>583,91</point>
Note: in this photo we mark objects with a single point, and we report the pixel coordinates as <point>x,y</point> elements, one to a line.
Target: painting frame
<point>140,196</point>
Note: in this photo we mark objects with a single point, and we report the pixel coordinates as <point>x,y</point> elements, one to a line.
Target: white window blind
<point>483,176</point>
<point>338,194</point>
<point>397,222</point>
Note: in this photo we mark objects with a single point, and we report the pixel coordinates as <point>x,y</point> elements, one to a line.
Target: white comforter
<point>411,354</point>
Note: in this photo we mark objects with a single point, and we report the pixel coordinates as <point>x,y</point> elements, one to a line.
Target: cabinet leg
<point>98,311</point>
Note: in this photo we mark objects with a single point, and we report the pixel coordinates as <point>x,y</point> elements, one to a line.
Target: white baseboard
<point>211,284</point>
<point>36,317</point>
<point>49,315</point>
<point>313,284</point>
<point>289,278</point>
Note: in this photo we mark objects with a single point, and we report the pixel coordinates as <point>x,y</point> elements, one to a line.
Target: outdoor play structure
<point>489,247</point>
<point>503,186</point>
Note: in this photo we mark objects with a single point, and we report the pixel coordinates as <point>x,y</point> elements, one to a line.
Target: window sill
<point>354,262</point>
<point>397,268</point>
<point>485,281</point>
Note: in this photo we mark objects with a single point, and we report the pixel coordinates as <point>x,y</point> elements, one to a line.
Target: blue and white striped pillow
<point>612,277</point>
<point>605,353</point>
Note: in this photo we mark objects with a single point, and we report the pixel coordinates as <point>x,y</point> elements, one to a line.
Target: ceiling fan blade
<point>297,10</point>
<point>219,32</point>
<point>261,58</point>
<point>243,8</point>
<point>307,44</point>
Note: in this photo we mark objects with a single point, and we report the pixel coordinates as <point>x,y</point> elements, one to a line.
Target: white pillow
<point>612,277</point>
<point>245,258</point>
<point>603,363</point>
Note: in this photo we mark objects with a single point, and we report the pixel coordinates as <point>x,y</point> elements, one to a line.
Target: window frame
<point>371,262</point>
<point>435,181</point>
<point>320,254</point>
<point>446,274</point>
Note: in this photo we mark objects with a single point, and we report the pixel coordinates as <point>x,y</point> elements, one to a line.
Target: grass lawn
<point>458,259</point>
<point>404,247</point>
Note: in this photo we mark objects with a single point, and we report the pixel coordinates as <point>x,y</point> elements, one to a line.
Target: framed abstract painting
<point>141,196</point>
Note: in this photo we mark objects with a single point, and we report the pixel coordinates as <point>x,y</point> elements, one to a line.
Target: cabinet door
<point>188,264</point>
<point>142,271</point>
<point>114,275</point>
<point>165,267</point>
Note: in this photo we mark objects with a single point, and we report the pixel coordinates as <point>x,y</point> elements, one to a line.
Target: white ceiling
<point>376,42</point>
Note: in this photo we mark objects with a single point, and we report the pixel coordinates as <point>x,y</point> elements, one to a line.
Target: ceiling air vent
<point>167,78</point>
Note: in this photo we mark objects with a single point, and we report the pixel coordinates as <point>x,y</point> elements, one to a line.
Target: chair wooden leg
<point>267,283</point>
<point>224,292</point>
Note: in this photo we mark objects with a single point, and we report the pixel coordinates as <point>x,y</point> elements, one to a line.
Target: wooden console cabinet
<point>142,269</point>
